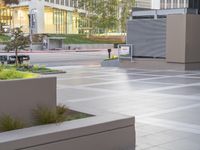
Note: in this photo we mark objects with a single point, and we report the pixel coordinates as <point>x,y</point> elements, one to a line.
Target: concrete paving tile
<point>166,73</point>
<point>133,98</point>
<point>156,148</point>
<point>76,82</point>
<point>71,94</point>
<point>190,90</point>
<point>129,86</point>
<point>188,116</point>
<point>182,144</point>
<point>176,80</point>
<point>125,77</point>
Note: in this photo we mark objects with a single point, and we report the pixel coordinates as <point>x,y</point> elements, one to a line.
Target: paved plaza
<point>166,103</point>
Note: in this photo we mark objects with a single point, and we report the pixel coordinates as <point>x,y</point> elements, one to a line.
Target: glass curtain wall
<point>5,16</point>
<point>55,21</point>
<point>14,17</point>
<point>20,18</point>
<point>168,4</point>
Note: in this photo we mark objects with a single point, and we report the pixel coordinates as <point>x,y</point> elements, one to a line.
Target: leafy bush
<point>6,74</point>
<point>45,115</point>
<point>37,69</point>
<point>7,123</point>
<point>1,68</point>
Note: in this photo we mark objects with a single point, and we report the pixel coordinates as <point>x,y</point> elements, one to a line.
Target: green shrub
<point>35,68</point>
<point>7,123</point>
<point>7,74</point>
<point>1,68</point>
<point>45,115</point>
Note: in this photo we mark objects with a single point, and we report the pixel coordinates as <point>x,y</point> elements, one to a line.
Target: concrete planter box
<point>110,63</point>
<point>106,132</point>
<point>19,97</point>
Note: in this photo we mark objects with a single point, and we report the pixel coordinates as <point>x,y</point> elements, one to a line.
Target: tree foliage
<point>108,14</point>
<point>126,8</point>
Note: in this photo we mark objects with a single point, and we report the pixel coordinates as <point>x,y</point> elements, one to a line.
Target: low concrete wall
<point>87,46</point>
<point>19,97</point>
<point>109,132</point>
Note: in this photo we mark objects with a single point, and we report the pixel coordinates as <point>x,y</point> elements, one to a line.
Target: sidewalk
<point>56,51</point>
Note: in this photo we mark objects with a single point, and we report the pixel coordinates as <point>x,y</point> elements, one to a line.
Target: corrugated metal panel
<point>148,37</point>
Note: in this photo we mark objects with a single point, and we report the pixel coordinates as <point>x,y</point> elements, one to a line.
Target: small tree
<point>18,42</point>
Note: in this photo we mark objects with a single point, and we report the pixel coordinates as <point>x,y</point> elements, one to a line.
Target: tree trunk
<point>16,56</point>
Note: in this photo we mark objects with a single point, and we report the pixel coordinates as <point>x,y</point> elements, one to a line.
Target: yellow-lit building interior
<point>56,21</point>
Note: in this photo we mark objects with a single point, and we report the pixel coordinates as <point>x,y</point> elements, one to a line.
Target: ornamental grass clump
<point>44,115</point>
<point>8,123</point>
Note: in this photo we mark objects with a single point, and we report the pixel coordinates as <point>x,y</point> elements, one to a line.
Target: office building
<point>162,4</point>
<point>48,16</point>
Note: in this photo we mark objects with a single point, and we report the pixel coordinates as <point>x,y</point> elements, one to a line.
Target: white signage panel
<point>124,50</point>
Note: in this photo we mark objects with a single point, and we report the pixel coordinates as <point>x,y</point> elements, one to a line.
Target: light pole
<point>31,26</point>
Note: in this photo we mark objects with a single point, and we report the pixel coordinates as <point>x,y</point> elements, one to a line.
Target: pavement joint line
<point>136,93</point>
<point>191,97</point>
<point>172,87</point>
<point>178,126</point>
<point>86,88</point>
<point>114,82</point>
<point>92,76</point>
<point>161,83</point>
<point>98,76</point>
<point>95,97</point>
<point>169,110</point>
<point>190,77</point>
<point>124,81</point>
<point>115,92</point>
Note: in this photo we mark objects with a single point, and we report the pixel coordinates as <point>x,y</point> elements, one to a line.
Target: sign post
<point>125,51</point>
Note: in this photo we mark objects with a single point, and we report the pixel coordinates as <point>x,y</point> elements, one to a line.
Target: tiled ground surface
<point>166,103</point>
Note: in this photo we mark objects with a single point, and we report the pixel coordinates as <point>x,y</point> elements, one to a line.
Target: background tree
<point>125,12</point>
<point>18,42</point>
<point>108,14</point>
<point>101,13</point>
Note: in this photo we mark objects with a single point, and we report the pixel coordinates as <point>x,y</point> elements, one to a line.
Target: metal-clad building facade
<point>148,37</point>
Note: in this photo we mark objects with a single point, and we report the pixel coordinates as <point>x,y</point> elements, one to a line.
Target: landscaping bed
<point>110,62</point>
<point>106,132</point>
<point>39,69</point>
<point>36,69</point>
<point>41,116</point>
<point>9,74</point>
